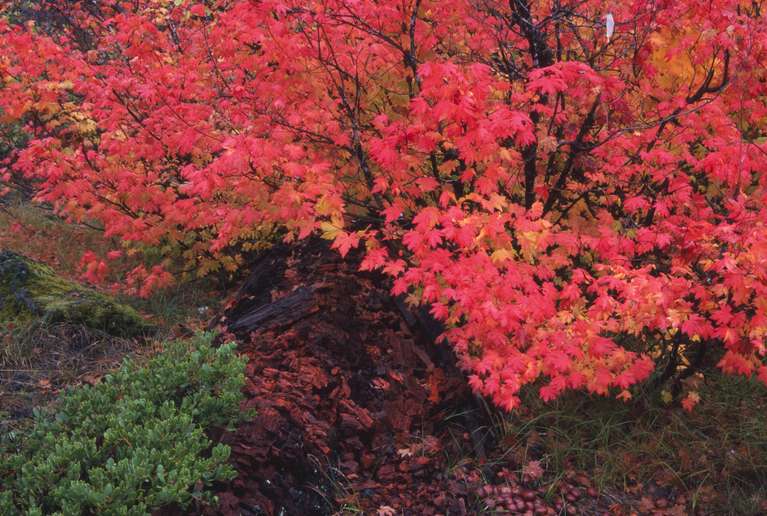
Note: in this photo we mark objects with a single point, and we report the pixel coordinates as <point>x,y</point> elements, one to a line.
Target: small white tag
<point>609,25</point>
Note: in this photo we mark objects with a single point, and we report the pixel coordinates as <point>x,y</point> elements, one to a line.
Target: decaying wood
<point>280,313</point>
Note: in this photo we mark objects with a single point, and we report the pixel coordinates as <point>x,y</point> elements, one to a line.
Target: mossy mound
<point>31,291</point>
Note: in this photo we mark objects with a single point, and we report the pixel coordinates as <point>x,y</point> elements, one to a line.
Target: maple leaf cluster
<point>583,209</point>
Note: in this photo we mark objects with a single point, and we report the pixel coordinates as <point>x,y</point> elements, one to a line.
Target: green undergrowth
<point>136,441</point>
<point>716,455</point>
<point>31,291</point>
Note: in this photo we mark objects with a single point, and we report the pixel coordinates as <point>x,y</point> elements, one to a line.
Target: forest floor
<point>40,362</point>
<point>359,412</point>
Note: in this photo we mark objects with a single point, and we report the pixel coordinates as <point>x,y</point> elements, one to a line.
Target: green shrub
<point>132,443</point>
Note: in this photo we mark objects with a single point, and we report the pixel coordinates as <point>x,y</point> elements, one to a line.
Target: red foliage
<point>569,204</point>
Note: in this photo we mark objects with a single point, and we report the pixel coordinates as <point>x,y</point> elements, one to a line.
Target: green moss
<point>31,291</point>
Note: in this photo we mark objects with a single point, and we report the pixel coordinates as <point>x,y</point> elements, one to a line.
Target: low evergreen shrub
<point>132,443</point>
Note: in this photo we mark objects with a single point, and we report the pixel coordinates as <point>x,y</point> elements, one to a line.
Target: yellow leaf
<point>501,255</point>
<point>330,230</point>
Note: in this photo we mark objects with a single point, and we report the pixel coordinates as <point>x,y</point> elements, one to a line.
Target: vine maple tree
<point>576,188</point>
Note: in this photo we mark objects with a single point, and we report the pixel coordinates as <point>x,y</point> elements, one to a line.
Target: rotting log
<point>280,313</point>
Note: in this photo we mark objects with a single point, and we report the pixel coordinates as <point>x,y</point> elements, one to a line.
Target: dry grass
<point>716,456</point>
<point>38,361</point>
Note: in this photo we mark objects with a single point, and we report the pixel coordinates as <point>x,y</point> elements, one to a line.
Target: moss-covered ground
<point>31,291</point>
